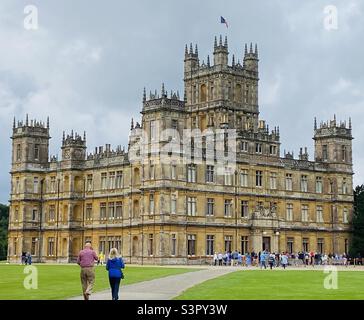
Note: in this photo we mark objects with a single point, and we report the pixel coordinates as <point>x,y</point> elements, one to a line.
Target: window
<point>36,152</point>
<point>102,244</point>
<point>228,243</point>
<point>345,215</point>
<point>319,214</point>
<point>118,243</point>
<point>34,214</point>
<point>244,244</point>
<point>33,250</point>
<point>210,174</point>
<point>318,184</point>
<point>289,212</point>
<point>173,244</point>
<point>36,185</point>
<point>258,148</point>
<point>151,172</point>
<point>103,181</point>
<point>111,180</point>
<point>50,247</point>
<point>244,208</point>
<point>89,182</point>
<point>18,152</point>
<point>53,185</point>
<point>88,211</point>
<point>304,212</point>
<point>150,244</point>
<point>191,244</point>
<point>273,150</point>
<point>191,173</point>
<point>210,207</point>
<point>343,153</point>
<point>191,206</point>
<point>290,242</point>
<point>173,204</point>
<point>110,243</point>
<point>244,146</point>
<point>16,214</point>
<point>17,185</point>
<point>209,245</point>
<point>228,177</point>
<point>111,210</point>
<point>304,183</point>
<point>244,178</point>
<point>151,204</point>
<point>305,244</point>
<point>119,180</point>
<point>102,211</point>
<point>273,180</point>
<point>320,245</point>
<point>324,152</point>
<point>289,182</point>
<point>52,211</point>
<point>345,186</point>
<point>258,178</point>
<point>153,130</point>
<point>228,205</point>
<point>119,210</point>
<point>173,172</point>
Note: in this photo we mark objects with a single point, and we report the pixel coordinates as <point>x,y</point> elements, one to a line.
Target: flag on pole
<point>222,20</point>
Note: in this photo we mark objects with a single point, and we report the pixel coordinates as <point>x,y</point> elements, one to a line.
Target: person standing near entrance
<point>114,265</point>
<point>86,260</point>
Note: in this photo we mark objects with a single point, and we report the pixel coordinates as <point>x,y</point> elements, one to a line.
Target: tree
<point>4,218</point>
<point>357,244</point>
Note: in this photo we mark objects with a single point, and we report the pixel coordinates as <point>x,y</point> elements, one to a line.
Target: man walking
<point>86,260</point>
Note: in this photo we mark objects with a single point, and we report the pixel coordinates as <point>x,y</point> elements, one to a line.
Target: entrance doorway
<point>266,243</point>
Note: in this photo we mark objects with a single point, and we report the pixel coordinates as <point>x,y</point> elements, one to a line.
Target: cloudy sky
<point>88,61</point>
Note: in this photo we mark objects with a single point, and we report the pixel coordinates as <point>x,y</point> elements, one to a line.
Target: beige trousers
<point>87,279</point>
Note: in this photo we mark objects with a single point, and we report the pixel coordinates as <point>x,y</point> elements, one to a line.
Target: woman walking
<point>114,265</point>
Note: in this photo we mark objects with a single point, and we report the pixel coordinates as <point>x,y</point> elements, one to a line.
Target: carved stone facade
<point>176,212</point>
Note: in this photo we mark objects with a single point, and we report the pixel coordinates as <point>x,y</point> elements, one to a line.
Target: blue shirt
<point>114,267</point>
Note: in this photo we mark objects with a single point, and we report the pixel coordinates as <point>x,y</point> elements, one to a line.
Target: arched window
<point>203,93</point>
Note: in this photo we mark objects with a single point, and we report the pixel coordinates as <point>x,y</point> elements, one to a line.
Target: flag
<point>222,20</point>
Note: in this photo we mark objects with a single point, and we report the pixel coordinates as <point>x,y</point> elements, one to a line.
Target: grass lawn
<point>278,285</point>
<point>63,281</point>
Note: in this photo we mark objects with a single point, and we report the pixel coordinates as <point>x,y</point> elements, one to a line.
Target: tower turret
<point>221,53</point>
<point>251,58</point>
<point>191,59</point>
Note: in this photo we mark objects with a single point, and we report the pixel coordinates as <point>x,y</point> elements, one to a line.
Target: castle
<point>178,205</point>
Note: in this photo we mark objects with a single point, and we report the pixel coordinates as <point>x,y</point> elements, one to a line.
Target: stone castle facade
<point>184,209</point>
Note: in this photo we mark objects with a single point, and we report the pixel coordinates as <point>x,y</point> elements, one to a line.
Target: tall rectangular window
<point>18,152</point>
<point>304,212</point>
<point>191,244</point>
<point>89,184</point>
<point>289,182</point>
<point>272,150</point>
<point>103,181</point>
<point>244,146</point>
<point>191,173</point>
<point>17,185</point>
<point>290,242</point>
<point>209,173</point>
<point>345,215</point>
<point>210,207</point>
<point>52,212</point>
<point>150,244</point>
<point>36,185</point>
<point>318,184</point>
<point>273,180</point>
<point>304,183</point>
<point>173,244</point>
<point>153,130</point>
<point>258,148</point>
<point>33,250</point>
<point>209,245</point>
<point>228,208</point>
<point>319,214</point>
<point>320,245</point>
<point>343,153</point>
<point>324,152</point>
<point>102,244</point>
<point>53,185</point>
<point>34,214</point>
<point>174,172</point>
<point>119,210</point>
<point>103,211</point>
<point>305,244</point>
<point>112,180</point>
<point>50,251</point>
<point>173,204</point>
<point>258,178</point>
<point>151,171</point>
<point>119,180</point>
<point>151,203</point>
<point>344,186</point>
<point>36,152</point>
<point>244,244</point>
<point>88,211</point>
<point>289,212</point>
<point>228,241</point>
<point>112,210</point>
<point>244,178</point>
<point>191,206</point>
<point>244,209</point>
